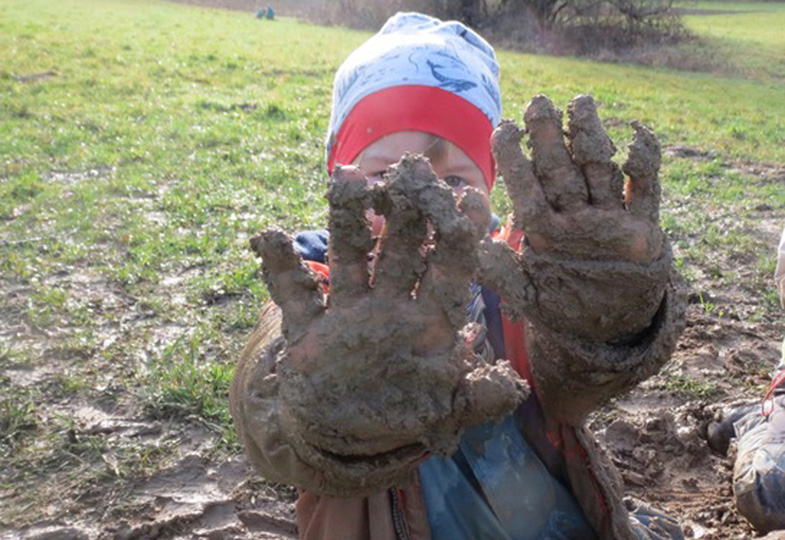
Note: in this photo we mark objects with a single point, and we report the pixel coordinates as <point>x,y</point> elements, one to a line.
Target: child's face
<point>449,162</point>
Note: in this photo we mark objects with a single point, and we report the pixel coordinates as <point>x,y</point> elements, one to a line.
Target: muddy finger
<point>642,166</point>
<point>399,262</point>
<point>592,150</point>
<point>528,200</point>
<point>562,181</point>
<point>350,235</point>
<point>500,270</point>
<point>474,205</point>
<point>452,260</point>
<point>292,285</point>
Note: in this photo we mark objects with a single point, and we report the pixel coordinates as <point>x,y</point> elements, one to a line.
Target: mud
<point>657,433</point>
<point>594,266</point>
<point>601,227</point>
<point>407,330</point>
<point>562,181</point>
<point>592,150</point>
<point>193,497</point>
<point>642,166</point>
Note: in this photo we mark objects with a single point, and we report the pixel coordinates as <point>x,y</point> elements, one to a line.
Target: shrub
<point>582,27</point>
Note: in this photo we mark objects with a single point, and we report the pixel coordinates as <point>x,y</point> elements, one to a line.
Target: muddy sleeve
<point>256,408</point>
<point>574,375</point>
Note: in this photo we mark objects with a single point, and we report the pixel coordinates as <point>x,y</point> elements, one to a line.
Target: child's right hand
<point>380,375</point>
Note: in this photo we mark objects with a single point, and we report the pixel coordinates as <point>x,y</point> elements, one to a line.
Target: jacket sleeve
<point>573,375</point>
<point>256,408</point>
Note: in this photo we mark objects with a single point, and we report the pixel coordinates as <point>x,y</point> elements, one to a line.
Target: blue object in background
<point>266,13</point>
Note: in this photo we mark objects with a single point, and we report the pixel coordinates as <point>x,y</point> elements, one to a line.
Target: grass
<point>747,35</point>
<point>17,418</point>
<point>142,143</point>
<point>688,387</point>
<point>183,380</point>
<point>738,118</point>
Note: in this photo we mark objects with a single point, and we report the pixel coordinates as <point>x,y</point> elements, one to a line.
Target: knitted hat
<point>417,74</point>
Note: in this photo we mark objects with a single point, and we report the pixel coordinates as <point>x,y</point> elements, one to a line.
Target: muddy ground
<point>84,457</point>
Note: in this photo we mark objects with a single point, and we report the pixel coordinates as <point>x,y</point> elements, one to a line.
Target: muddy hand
<point>570,199</point>
<point>378,375</point>
<point>595,262</point>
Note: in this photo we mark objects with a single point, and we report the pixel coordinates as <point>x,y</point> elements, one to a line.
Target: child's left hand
<point>595,261</point>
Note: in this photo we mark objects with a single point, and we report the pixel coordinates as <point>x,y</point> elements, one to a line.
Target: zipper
<point>399,522</point>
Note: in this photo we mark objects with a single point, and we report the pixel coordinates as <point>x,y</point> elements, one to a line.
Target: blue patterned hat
<point>417,73</point>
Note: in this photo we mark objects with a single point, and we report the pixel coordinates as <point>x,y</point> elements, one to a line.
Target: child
<point>759,470</point>
<point>593,279</point>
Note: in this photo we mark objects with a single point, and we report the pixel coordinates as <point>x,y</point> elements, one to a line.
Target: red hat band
<point>416,108</point>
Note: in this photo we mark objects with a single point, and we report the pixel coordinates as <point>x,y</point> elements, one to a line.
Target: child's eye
<point>455,181</point>
<point>376,178</point>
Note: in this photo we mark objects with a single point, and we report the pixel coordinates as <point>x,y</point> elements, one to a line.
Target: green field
<point>748,36</point>
<point>141,143</point>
